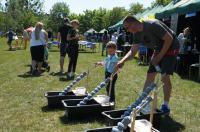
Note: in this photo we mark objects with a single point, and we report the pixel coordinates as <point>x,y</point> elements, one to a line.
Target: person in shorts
<point>38,40</point>
<point>105,40</point>
<point>10,35</point>
<point>154,34</point>
<point>25,38</point>
<point>62,37</point>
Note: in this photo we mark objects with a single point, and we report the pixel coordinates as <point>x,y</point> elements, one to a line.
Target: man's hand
<point>156,60</point>
<point>119,65</point>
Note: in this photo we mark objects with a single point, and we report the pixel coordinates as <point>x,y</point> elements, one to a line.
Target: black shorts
<point>37,53</point>
<point>63,49</point>
<point>167,65</point>
<point>9,41</point>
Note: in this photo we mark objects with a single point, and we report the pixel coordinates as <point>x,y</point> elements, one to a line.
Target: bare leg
<point>25,43</point>
<point>33,64</point>
<point>150,79</point>
<point>61,63</point>
<point>39,66</point>
<point>167,88</point>
<point>16,44</point>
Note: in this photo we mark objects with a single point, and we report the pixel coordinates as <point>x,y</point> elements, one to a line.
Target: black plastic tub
<point>105,129</point>
<point>55,100</point>
<point>109,129</point>
<point>92,109</point>
<point>114,116</point>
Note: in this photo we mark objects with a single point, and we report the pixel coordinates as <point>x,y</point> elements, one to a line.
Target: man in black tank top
<point>62,37</point>
<point>157,36</point>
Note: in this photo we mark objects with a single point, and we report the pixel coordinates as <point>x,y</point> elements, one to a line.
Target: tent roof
<point>150,13</point>
<point>147,14</point>
<point>91,31</point>
<point>119,24</point>
<point>103,30</point>
<point>181,7</point>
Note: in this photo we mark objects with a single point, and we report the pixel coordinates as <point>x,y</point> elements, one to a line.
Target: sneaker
<point>69,77</point>
<point>165,109</point>
<point>60,73</point>
<point>48,68</point>
<point>35,73</point>
<point>112,103</point>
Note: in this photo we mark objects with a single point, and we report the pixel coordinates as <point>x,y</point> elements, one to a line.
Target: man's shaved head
<point>130,19</point>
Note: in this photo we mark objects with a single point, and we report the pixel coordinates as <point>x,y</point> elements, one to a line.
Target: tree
<point>86,20</point>
<point>22,13</point>
<point>136,8</point>
<point>1,6</point>
<point>115,15</point>
<point>99,19</point>
<point>34,6</point>
<point>59,11</point>
<point>74,16</point>
<point>160,2</point>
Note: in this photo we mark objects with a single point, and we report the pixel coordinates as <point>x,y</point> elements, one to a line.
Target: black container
<point>109,129</point>
<point>106,129</point>
<point>113,117</point>
<point>55,100</point>
<point>92,109</point>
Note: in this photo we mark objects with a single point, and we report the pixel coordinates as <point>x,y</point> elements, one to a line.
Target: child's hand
<point>98,64</point>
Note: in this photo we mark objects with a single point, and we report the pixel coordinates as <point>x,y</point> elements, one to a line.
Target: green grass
<point>22,100</point>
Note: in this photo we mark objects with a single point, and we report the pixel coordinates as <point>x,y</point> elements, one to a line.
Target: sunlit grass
<point>22,99</point>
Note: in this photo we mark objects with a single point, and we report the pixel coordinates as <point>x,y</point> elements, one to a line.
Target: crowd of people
<point>153,34</point>
<point>14,37</point>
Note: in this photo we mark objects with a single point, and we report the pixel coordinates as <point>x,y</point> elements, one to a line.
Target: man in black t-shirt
<point>62,37</point>
<point>157,36</point>
<point>50,35</point>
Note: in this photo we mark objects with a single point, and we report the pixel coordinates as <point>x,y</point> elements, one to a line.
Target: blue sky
<point>78,6</point>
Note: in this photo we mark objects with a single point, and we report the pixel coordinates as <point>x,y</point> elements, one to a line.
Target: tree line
<point>19,14</point>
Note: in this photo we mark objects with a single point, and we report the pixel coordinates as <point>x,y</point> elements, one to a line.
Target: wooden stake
<point>133,120</point>
<point>154,105</point>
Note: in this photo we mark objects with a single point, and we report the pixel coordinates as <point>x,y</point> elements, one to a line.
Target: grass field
<point>22,102</point>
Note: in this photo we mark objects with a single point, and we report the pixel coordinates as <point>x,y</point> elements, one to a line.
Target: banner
<point>174,22</point>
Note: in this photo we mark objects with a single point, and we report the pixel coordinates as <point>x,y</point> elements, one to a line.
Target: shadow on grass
<point>168,124</point>
<point>89,52</point>
<point>57,74</point>
<point>54,50</point>
<point>64,79</point>
<point>28,75</point>
<point>47,109</point>
<point>10,50</point>
<point>65,120</point>
<point>62,76</point>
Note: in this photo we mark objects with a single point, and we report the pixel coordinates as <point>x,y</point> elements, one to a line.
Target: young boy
<point>109,63</point>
